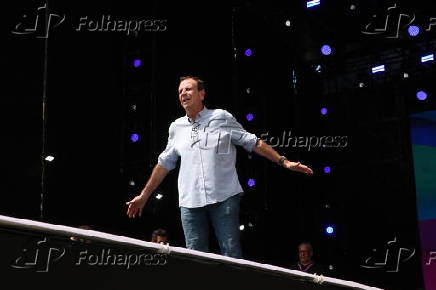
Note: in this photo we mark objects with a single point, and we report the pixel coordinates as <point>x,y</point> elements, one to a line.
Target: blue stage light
<point>323,111</point>
<point>330,230</point>
<point>421,95</point>
<point>313,3</point>
<point>413,30</point>
<point>326,49</point>
<point>137,63</point>
<point>134,137</point>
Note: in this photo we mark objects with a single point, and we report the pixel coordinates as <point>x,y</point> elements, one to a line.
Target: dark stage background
<point>96,98</point>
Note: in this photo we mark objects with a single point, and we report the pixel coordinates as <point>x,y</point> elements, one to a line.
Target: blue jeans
<point>224,217</point>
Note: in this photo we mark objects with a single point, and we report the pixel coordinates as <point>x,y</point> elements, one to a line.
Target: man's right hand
<point>136,205</point>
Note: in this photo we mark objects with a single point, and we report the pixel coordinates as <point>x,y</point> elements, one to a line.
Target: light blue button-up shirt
<point>207,151</point>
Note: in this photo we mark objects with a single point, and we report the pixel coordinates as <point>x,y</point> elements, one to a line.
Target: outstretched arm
<point>137,204</point>
<point>268,152</point>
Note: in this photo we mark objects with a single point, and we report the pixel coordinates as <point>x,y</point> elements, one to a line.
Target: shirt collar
<point>199,116</point>
<point>304,268</point>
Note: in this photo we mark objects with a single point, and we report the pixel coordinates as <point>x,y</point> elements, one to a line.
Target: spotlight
<point>413,30</point>
<point>377,69</point>
<point>294,79</point>
<point>326,49</point>
<point>49,158</point>
<point>241,227</point>
<point>318,68</point>
<point>421,95</point>
<point>132,182</point>
<point>248,90</point>
<point>248,52</point>
<point>288,23</point>
<point>353,7</point>
<point>361,84</point>
<point>327,169</point>
<point>405,75</point>
<point>159,196</point>
<point>426,58</point>
<point>137,62</point>
<point>251,182</point>
<point>329,230</point>
<point>323,111</point>
<point>249,117</point>
<point>313,3</point>
<point>134,137</point>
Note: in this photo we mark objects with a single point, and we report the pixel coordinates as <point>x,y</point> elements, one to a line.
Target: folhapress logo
<point>42,22</point>
<point>430,257</point>
<point>38,257</point>
<point>389,258</point>
<point>393,21</point>
<point>39,24</point>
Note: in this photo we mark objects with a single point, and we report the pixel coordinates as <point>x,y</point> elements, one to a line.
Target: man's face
<point>304,253</point>
<point>189,95</point>
<point>161,240</point>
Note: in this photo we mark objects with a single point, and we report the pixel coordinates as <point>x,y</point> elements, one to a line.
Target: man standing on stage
<point>208,183</point>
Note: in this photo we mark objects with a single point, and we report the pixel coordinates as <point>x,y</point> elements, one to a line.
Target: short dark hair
<point>85,227</point>
<point>160,233</point>
<point>306,243</point>
<point>200,82</point>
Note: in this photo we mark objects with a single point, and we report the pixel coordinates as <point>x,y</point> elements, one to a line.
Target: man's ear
<point>202,94</point>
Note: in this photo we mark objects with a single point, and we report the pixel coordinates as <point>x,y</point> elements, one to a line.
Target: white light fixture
<point>49,158</point>
<point>379,68</point>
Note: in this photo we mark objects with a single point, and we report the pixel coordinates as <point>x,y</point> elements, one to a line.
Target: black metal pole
<point>44,118</point>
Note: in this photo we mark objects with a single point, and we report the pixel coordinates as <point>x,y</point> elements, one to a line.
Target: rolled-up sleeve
<point>239,136</point>
<point>169,157</point>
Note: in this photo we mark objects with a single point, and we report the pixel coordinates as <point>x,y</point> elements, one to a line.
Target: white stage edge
<point>61,230</point>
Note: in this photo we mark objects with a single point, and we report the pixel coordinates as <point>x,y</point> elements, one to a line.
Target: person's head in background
<point>305,253</point>
<point>159,236</point>
<point>77,239</point>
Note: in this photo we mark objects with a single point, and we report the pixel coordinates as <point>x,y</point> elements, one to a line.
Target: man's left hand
<point>297,166</point>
